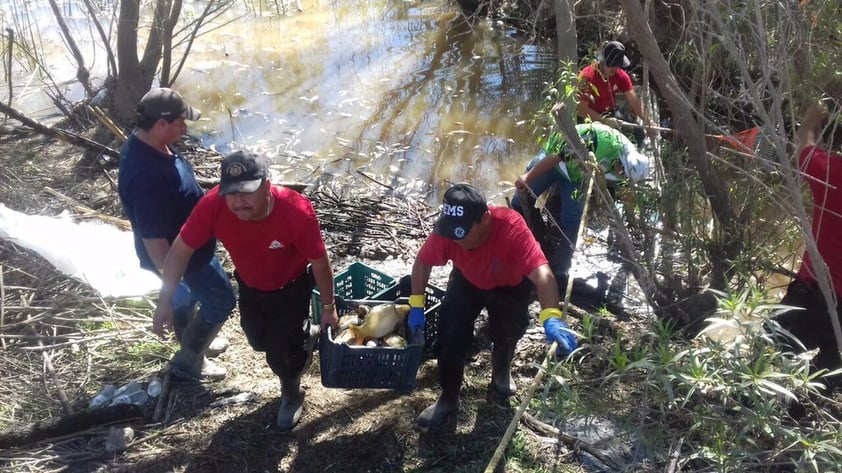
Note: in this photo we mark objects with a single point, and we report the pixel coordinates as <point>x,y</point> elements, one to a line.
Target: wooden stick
<point>2,307</point>
<point>551,352</point>
<point>87,211</point>
<point>163,397</point>
<point>568,291</point>
<point>63,135</point>
<point>106,120</point>
<point>571,440</point>
<point>510,430</point>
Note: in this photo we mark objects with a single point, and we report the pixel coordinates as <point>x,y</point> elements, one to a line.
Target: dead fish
<point>394,340</point>
<point>380,321</point>
<point>347,320</point>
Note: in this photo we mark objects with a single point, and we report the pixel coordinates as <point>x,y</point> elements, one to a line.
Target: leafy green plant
<point>727,393</point>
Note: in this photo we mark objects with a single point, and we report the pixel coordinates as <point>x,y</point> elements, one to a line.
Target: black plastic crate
<point>357,281</point>
<point>350,367</point>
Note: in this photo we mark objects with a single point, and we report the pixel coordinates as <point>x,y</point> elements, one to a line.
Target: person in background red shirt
<point>811,322</point>
<point>600,83</point>
<point>496,264</point>
<point>274,239</point>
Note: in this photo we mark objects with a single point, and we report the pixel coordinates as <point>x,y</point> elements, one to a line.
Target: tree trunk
<point>691,131</point>
<point>135,76</point>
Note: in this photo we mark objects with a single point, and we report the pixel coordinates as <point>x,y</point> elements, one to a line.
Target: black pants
<point>811,322</point>
<point>277,322</point>
<point>508,317</point>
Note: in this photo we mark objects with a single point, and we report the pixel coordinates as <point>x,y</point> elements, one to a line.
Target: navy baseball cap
<point>242,171</point>
<point>463,206</point>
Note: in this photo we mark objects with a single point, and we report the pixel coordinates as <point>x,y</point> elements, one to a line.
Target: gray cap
<point>614,55</point>
<point>166,103</point>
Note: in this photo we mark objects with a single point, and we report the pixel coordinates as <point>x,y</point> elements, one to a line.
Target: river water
<point>404,91</point>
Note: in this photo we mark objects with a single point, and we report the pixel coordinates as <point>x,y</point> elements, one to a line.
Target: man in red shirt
<point>273,237</point>
<point>600,83</point>
<point>496,264</point>
<point>811,322</point>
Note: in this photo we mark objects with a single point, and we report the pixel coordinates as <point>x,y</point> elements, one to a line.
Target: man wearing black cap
<point>496,264</point>
<point>600,83</point>
<point>158,190</point>
<point>272,235</point>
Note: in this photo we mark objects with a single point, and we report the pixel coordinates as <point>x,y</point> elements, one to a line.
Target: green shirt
<point>606,143</point>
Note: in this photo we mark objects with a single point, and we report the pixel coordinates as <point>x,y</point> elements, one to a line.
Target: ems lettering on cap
<point>463,205</point>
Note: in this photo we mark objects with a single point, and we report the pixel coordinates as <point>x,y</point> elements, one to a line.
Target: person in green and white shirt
<point>555,166</point>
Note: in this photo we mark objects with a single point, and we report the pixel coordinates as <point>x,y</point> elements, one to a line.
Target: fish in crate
<point>381,325</point>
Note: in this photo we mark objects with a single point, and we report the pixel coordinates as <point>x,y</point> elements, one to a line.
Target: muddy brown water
<point>405,91</point>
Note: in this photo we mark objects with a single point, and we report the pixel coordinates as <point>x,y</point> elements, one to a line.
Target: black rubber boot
<point>560,263</point>
<point>292,396</point>
<point>437,416</point>
<point>501,366</point>
<point>181,319</point>
<point>292,403</point>
<point>190,362</point>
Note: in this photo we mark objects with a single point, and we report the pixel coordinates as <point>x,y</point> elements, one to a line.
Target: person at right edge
<point>496,264</point>
<point>810,320</point>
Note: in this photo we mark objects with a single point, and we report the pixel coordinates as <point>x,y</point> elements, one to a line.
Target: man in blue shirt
<point>158,190</point>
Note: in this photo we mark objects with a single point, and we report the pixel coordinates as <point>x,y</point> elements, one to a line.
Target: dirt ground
<point>341,431</point>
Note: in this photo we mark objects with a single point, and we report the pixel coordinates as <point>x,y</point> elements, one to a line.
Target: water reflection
<point>404,91</point>
<point>401,90</point>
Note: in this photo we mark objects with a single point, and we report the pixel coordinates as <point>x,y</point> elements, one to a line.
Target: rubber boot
<point>501,365</point>
<point>292,396</point>
<point>437,416</point>
<point>182,318</point>
<point>560,264</point>
<point>292,403</point>
<point>190,362</point>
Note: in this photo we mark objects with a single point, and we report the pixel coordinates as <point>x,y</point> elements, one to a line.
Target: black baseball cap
<point>463,206</point>
<point>168,104</point>
<point>242,171</point>
<point>614,55</point>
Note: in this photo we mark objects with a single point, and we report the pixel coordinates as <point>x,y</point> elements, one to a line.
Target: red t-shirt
<point>508,255</point>
<point>600,94</point>
<point>825,171</point>
<point>267,253</point>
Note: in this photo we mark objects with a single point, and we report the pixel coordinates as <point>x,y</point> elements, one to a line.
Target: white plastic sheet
<point>96,253</point>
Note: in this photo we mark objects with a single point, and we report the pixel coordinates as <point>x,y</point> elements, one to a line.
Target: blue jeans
<point>208,286</point>
<point>571,194</point>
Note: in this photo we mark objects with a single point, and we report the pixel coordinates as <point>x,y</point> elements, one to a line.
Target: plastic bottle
<point>128,388</point>
<point>103,396</point>
<point>154,387</point>
<point>135,397</point>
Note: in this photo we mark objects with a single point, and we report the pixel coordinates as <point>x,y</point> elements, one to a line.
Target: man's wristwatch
<point>328,307</point>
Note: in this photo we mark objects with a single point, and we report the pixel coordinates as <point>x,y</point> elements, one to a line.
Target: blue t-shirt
<point>158,191</point>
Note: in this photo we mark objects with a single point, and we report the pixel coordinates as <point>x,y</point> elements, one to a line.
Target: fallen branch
<point>163,397</point>
<point>87,211</point>
<point>58,133</point>
<point>69,424</point>
<point>571,441</point>
<point>2,307</point>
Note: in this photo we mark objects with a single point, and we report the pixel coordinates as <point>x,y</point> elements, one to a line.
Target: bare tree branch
<point>83,75</point>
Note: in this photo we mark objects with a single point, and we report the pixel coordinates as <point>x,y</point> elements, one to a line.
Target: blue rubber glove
<point>416,318</point>
<point>558,331</point>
